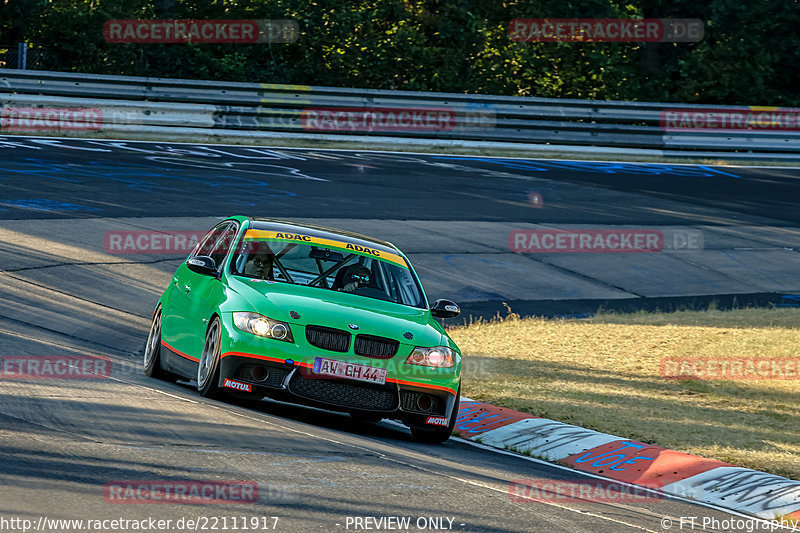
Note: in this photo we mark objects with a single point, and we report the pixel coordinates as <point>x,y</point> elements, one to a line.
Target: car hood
<point>335,309</point>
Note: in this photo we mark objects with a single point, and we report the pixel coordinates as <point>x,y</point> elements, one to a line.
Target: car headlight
<point>263,326</point>
<point>438,357</point>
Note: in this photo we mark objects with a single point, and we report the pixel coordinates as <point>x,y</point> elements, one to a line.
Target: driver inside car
<point>261,265</point>
<point>357,278</point>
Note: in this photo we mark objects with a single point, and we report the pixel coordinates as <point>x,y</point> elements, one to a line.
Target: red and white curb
<point>743,490</point>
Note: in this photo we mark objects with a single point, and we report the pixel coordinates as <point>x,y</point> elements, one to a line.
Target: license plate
<point>340,369</point>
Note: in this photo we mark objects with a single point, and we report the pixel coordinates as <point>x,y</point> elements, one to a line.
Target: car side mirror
<point>445,309</point>
<point>202,264</point>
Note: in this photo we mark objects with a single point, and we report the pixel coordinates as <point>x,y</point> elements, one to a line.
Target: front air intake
<point>335,340</point>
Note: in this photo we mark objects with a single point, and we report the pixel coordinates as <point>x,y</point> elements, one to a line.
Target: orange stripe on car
<point>310,365</point>
<point>424,385</point>
<point>178,352</point>
<point>262,234</point>
<point>254,356</point>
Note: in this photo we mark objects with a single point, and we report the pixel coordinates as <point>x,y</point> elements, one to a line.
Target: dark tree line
<point>748,54</point>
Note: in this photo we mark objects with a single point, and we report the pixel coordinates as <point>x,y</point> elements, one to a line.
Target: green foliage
<point>746,57</point>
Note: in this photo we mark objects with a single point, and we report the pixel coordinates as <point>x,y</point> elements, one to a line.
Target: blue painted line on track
<point>773,280</point>
<point>43,204</point>
<point>599,167</point>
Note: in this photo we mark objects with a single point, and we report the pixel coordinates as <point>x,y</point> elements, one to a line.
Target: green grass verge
<point>604,373</point>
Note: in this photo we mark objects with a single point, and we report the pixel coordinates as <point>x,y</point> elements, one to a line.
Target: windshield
<point>332,265</point>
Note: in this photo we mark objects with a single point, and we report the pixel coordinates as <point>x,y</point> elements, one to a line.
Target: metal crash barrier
<point>78,104</point>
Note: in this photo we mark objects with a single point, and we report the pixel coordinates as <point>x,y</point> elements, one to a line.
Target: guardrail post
<point>22,56</point>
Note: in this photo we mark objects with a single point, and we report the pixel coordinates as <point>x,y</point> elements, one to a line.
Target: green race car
<point>310,315</point>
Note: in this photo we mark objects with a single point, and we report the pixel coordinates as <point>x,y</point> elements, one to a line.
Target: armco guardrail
<point>157,104</point>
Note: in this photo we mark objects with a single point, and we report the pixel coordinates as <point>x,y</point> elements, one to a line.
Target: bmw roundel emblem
<point>354,327</point>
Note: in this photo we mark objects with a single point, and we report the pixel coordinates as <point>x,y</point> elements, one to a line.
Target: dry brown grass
<point>604,373</point>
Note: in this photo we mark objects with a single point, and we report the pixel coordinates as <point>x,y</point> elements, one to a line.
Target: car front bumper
<point>411,402</point>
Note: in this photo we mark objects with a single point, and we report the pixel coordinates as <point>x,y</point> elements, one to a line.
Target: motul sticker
<point>236,385</point>
<point>436,421</point>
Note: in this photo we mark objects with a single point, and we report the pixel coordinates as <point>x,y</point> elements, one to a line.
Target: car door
<point>205,293</point>
<point>178,326</point>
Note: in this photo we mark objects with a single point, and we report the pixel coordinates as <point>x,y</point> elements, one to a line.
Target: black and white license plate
<point>340,369</point>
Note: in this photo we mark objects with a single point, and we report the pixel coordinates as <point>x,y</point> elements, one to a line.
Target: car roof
<point>321,232</point>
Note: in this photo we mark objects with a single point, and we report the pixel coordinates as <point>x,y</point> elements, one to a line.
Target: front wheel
<point>151,362</point>
<point>439,435</point>
<point>208,369</point>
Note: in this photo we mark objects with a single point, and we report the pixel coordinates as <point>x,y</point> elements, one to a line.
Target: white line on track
<point>296,148</point>
<point>769,524</point>
<point>274,424</point>
<point>423,469</point>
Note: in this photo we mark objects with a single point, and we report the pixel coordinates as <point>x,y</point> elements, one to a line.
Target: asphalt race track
<point>453,215</point>
<point>70,178</point>
<point>66,291</point>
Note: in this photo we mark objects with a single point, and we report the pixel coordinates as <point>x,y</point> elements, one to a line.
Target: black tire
<point>151,360</point>
<point>439,435</point>
<point>208,367</point>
